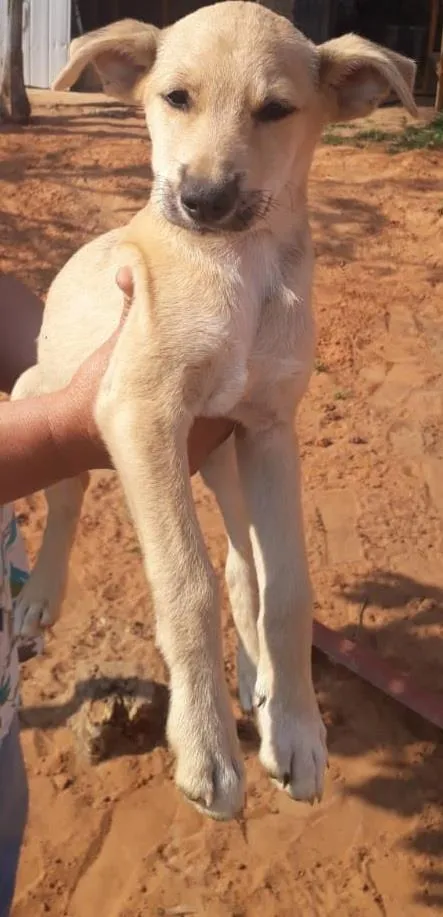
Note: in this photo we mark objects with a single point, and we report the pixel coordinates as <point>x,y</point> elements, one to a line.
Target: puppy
<point>235,101</point>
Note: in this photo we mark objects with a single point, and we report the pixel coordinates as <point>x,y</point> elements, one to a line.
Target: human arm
<point>46,438</point>
<point>21,314</point>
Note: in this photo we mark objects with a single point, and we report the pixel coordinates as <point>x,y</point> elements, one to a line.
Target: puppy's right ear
<point>122,53</point>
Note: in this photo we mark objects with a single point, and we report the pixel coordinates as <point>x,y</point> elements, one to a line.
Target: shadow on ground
<point>339,223</point>
<point>360,719</point>
<point>409,773</point>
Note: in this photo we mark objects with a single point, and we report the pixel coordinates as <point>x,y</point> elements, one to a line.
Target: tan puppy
<point>235,101</point>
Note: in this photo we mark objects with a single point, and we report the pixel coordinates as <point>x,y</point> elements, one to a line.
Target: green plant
<point>427,136</point>
<point>423,137</point>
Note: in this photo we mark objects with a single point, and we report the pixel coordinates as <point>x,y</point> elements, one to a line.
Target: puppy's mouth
<point>248,209</point>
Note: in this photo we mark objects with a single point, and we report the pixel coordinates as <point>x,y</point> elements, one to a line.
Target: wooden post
<point>14,102</point>
<point>439,95</point>
<point>428,74</point>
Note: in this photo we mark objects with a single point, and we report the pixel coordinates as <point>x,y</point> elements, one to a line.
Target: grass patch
<point>425,137</point>
<point>342,395</point>
<point>336,139</point>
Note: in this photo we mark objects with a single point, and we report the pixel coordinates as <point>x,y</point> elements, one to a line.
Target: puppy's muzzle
<point>209,203</point>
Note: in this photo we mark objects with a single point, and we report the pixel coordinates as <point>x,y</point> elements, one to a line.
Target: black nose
<point>207,202</point>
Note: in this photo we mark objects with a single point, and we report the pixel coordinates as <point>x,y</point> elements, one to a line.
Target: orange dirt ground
<point>116,839</point>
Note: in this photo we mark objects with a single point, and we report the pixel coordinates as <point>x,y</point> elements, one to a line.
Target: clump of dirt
<point>117,711</point>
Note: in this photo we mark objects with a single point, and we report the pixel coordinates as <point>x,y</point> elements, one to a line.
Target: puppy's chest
<point>268,337</point>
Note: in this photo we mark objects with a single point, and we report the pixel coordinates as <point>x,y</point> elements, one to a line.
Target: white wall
<point>3,26</point>
<point>46,37</point>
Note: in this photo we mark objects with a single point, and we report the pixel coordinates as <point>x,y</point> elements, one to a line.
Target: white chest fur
<point>268,331</point>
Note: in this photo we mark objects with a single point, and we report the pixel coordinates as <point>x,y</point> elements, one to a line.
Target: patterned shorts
<point>27,647</point>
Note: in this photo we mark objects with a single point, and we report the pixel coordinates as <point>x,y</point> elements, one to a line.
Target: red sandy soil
<point>116,839</point>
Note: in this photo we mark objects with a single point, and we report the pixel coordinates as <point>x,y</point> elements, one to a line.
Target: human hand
<point>83,389</point>
<point>205,436</point>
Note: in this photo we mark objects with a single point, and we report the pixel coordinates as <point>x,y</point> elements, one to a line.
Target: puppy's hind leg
<point>221,475</point>
<point>39,602</point>
<point>38,605</point>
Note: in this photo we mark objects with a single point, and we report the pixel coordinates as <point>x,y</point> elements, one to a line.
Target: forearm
<point>21,314</point>
<point>44,439</point>
<point>37,446</point>
<point>41,444</point>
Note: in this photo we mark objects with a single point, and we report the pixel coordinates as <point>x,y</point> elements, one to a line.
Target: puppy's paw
<point>293,746</point>
<point>210,769</point>
<point>38,605</point>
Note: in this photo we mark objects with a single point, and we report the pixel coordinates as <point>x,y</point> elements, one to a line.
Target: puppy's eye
<point>274,111</point>
<point>178,98</point>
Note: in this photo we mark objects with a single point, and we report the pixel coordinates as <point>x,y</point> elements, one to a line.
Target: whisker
<point>254,205</point>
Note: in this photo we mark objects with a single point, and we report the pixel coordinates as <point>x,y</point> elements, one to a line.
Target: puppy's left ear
<point>357,75</point>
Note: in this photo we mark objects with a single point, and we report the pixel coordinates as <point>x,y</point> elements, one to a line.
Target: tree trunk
<point>439,95</point>
<point>14,102</point>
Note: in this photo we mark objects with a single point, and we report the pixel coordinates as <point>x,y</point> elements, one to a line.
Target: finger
<point>125,281</point>
<point>205,437</point>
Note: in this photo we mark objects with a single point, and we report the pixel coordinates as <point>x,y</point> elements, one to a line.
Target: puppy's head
<point>235,100</point>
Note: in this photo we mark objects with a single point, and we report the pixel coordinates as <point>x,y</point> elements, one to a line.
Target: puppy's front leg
<point>147,440</point>
<point>293,736</point>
